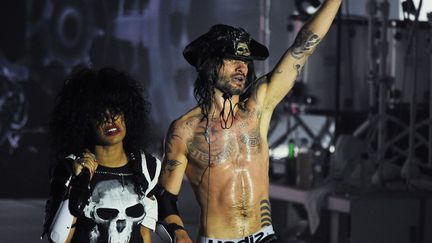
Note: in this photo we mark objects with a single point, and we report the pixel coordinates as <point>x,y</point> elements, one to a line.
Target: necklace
<point>113,173</point>
<point>122,175</point>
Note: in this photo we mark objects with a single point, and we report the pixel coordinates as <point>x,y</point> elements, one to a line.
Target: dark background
<point>42,41</point>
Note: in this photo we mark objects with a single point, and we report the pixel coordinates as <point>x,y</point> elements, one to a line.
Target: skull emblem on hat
<point>225,41</point>
<point>116,209</point>
<point>242,49</point>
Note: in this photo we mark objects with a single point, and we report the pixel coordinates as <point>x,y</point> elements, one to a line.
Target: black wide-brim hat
<point>227,42</point>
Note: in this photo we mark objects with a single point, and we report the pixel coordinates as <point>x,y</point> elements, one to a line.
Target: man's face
<point>232,76</point>
<point>111,131</point>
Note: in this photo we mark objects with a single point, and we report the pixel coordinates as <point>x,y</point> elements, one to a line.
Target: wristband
<point>173,227</point>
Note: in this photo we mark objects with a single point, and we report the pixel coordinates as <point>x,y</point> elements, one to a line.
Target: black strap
<point>79,192</point>
<point>151,168</point>
<point>151,165</point>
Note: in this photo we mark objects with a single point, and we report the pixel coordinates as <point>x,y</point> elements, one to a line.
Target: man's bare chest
<point>212,144</point>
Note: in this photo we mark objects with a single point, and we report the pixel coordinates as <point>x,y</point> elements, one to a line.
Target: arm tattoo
<point>171,135</point>
<point>169,143</point>
<point>169,166</point>
<point>298,68</point>
<point>306,40</point>
<point>265,213</point>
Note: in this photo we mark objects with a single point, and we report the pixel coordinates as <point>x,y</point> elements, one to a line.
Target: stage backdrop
<point>43,40</point>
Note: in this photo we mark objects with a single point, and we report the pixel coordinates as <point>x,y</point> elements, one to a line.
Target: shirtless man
<point>230,123</point>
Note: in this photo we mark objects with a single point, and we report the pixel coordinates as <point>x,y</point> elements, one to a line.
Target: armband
<point>167,203</point>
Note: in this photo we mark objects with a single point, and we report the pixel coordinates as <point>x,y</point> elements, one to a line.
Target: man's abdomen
<point>234,202</point>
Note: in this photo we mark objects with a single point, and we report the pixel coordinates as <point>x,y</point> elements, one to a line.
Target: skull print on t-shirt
<point>116,209</point>
<point>114,212</point>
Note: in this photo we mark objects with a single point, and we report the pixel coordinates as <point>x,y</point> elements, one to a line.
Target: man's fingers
<point>182,237</point>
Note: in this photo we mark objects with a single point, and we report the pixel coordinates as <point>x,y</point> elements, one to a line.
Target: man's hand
<point>182,237</point>
<point>289,67</point>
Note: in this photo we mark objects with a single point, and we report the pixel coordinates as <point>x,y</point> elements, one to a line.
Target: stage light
<point>306,8</point>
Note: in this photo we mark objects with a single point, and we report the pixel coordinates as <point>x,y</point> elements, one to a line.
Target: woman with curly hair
<point>103,174</point>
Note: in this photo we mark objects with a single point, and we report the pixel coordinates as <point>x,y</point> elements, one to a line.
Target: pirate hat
<point>224,41</point>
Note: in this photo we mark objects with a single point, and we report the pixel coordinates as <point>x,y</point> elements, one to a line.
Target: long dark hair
<point>208,74</point>
<point>85,98</point>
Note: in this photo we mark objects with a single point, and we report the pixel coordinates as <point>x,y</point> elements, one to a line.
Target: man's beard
<point>226,87</point>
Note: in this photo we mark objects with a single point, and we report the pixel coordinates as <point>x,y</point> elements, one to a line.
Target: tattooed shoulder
<point>173,133</point>
<point>183,126</point>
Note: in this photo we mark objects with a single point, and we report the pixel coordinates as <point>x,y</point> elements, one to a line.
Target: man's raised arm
<point>290,65</point>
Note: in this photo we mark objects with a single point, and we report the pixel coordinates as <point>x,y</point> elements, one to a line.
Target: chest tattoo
<point>251,140</point>
<point>220,149</point>
<point>226,145</point>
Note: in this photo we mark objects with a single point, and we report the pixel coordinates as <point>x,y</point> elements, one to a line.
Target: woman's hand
<point>86,160</point>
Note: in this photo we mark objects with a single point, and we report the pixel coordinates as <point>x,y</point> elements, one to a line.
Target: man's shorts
<point>253,238</point>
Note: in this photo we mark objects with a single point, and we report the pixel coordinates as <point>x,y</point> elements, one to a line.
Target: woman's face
<point>110,131</point>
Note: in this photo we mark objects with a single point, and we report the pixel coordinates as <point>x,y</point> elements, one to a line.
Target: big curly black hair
<point>208,74</point>
<point>85,98</point>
